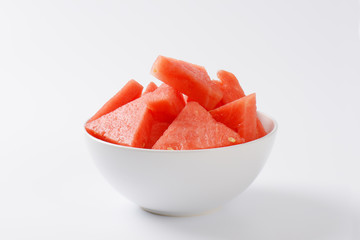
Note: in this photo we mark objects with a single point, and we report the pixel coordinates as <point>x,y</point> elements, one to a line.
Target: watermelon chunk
<point>219,84</point>
<point>187,99</point>
<point>131,91</point>
<point>239,115</point>
<point>189,79</point>
<point>194,128</point>
<point>165,102</point>
<point>129,125</point>
<point>260,131</point>
<point>150,88</point>
<point>157,130</point>
<point>232,91</point>
<point>230,87</point>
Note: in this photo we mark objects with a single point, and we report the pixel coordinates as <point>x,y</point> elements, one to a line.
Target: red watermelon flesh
<point>131,91</point>
<point>230,87</point>
<point>189,79</point>
<point>232,91</point>
<point>187,99</point>
<point>239,115</point>
<point>194,128</point>
<point>150,88</point>
<point>165,102</point>
<point>129,125</point>
<point>157,130</point>
<point>219,84</point>
<point>260,131</point>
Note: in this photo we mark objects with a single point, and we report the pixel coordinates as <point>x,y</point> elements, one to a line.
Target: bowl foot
<point>179,214</point>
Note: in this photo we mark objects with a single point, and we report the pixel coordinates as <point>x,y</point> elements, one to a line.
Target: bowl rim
<point>272,132</point>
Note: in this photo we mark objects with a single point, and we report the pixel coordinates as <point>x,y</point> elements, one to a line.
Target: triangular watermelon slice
<point>239,115</point>
<point>194,128</point>
<point>165,102</point>
<point>157,130</point>
<point>260,131</point>
<point>232,91</point>
<point>150,88</point>
<point>230,87</point>
<point>189,79</point>
<point>129,125</point>
<point>131,91</point>
<point>219,84</point>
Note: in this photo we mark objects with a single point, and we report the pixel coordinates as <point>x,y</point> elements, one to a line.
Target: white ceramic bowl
<point>183,182</point>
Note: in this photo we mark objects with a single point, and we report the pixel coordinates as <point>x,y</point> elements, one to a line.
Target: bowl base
<point>179,214</point>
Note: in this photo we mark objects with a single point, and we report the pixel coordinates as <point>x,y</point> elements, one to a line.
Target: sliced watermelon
<point>230,87</point>
<point>157,130</point>
<point>131,91</point>
<point>232,91</point>
<point>189,79</point>
<point>129,125</point>
<point>239,115</point>
<point>219,84</point>
<point>187,99</point>
<point>194,128</point>
<point>260,131</point>
<point>165,102</point>
<point>150,88</point>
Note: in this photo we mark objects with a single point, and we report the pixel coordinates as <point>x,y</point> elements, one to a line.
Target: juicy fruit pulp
<point>232,91</point>
<point>129,125</point>
<point>165,102</point>
<point>194,128</point>
<point>189,79</point>
<point>132,124</point>
<point>239,115</point>
<point>157,130</point>
<point>188,111</point>
<point>230,87</point>
<point>150,88</point>
<point>260,131</point>
<point>129,92</point>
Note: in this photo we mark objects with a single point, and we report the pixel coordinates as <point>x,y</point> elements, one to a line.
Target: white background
<point>61,60</point>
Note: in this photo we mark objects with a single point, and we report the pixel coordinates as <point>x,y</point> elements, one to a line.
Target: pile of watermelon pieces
<point>187,111</point>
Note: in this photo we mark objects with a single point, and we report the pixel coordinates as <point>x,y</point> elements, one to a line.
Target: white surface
<point>182,183</point>
<point>59,61</point>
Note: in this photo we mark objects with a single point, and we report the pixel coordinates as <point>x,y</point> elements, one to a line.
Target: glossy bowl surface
<point>182,182</point>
